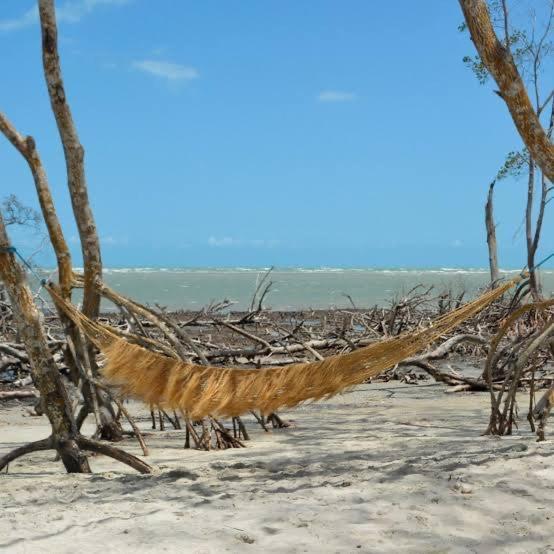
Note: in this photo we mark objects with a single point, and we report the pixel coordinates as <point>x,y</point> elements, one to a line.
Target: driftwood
<point>530,349</point>
<point>18,394</point>
<point>458,382</point>
<point>542,411</point>
<point>491,235</point>
<point>278,338</point>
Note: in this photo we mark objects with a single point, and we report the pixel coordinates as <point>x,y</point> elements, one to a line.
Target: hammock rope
<point>201,390</point>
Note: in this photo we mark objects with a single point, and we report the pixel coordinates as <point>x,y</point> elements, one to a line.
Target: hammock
<point>229,391</point>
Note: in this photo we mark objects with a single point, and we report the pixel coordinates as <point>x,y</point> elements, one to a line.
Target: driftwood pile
<point>261,337</point>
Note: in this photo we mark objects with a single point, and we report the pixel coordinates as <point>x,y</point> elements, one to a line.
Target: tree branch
<point>501,66</point>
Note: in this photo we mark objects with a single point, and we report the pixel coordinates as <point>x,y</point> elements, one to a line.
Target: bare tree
<point>90,244</point>
<point>75,357</point>
<point>65,437</point>
<point>533,236</point>
<point>491,235</point>
<point>45,371</point>
<point>16,213</point>
<point>74,157</point>
<point>498,60</point>
<point>27,148</point>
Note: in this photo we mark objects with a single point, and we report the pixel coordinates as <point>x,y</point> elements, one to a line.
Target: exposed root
<point>115,453</point>
<point>73,447</point>
<point>542,411</point>
<point>214,434</point>
<point>44,444</point>
<point>277,422</point>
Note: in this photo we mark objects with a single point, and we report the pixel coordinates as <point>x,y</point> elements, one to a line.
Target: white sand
<point>385,468</point>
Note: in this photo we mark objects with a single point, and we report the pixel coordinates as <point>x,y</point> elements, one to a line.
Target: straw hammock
<point>229,391</point>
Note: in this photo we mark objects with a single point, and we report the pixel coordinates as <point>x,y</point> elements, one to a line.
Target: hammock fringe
<point>227,391</point>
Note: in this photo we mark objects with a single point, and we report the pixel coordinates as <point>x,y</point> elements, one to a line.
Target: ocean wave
<point>288,270</point>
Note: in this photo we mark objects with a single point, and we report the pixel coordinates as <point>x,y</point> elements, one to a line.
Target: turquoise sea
<point>296,288</point>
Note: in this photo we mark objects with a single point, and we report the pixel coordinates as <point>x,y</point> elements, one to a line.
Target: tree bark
<point>27,148</point>
<point>534,238</point>
<point>90,243</point>
<point>17,394</point>
<point>529,236</point>
<point>500,64</point>
<point>491,235</point>
<point>45,372</point>
<point>542,411</point>
<point>74,157</point>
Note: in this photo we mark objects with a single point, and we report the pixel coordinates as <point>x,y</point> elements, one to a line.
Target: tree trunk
<point>529,236</point>
<point>533,239</point>
<point>74,157</point>
<point>45,372</point>
<point>500,64</point>
<point>491,235</point>
<point>27,148</point>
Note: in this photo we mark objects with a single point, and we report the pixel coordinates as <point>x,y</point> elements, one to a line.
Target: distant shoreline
<point>293,289</point>
<point>300,269</point>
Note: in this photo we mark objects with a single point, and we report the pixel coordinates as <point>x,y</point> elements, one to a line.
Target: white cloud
<point>71,11</point>
<point>30,17</point>
<point>336,96</point>
<point>105,240</point>
<point>229,241</point>
<point>111,240</point>
<point>167,70</point>
<point>225,241</point>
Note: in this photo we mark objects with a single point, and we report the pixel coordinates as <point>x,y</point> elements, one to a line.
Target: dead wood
<point>542,411</point>
<point>529,350</point>
<point>88,235</point>
<point>45,372</point>
<point>37,446</point>
<point>18,394</point>
<point>491,235</point>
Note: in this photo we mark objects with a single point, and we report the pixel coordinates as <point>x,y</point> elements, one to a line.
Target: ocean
<point>292,289</point>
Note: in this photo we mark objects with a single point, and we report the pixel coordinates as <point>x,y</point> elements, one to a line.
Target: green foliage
<point>526,44</point>
<point>520,48</point>
<point>515,165</point>
<point>478,67</point>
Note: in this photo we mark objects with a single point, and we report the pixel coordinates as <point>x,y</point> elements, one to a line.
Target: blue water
<point>292,289</point>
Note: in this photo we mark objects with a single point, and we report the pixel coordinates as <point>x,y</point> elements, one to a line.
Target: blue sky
<point>255,133</point>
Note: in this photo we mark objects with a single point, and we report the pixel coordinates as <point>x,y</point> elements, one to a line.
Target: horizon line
<point>298,267</point>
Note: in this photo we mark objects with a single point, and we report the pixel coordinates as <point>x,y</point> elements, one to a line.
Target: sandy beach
<point>213,209</point>
<point>385,468</point>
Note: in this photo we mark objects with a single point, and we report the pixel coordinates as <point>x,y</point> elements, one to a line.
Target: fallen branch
<point>18,394</point>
